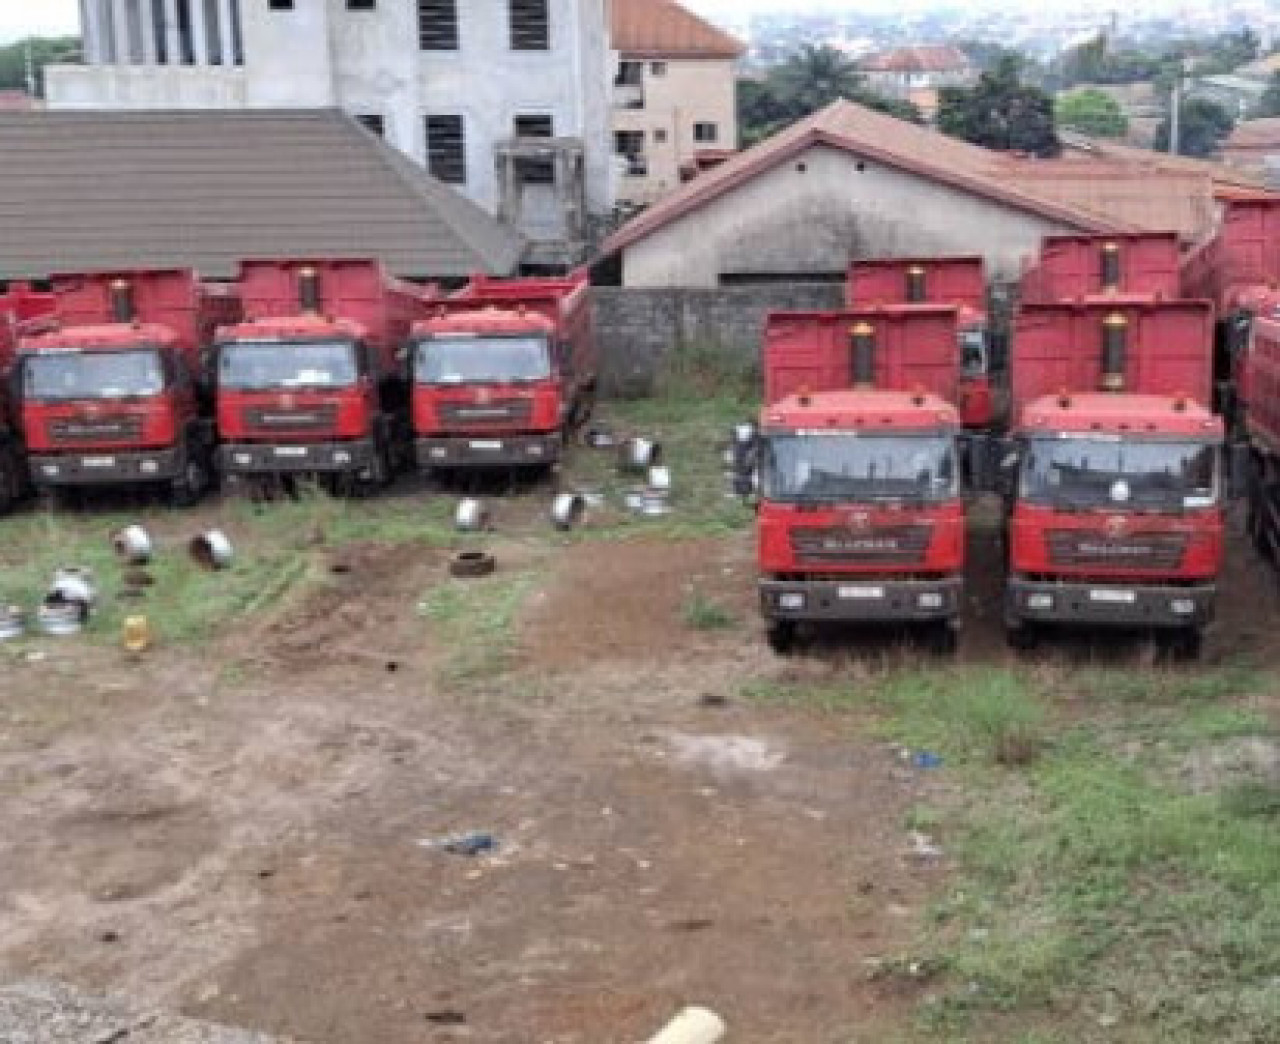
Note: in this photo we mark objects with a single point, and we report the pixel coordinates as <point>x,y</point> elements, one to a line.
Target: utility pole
<point>30,63</point>
<point>1175,114</point>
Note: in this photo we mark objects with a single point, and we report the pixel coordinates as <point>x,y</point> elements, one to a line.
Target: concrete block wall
<point>639,328</point>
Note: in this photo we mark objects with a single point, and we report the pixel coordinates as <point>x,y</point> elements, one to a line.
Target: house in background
<point>917,73</point>
<point>674,99</point>
<point>1254,148</point>
<point>504,100</point>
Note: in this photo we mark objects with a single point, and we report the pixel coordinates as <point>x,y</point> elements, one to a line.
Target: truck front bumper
<point>1109,605</point>
<point>855,600</point>
<point>250,458</point>
<point>108,468</point>
<point>484,451</point>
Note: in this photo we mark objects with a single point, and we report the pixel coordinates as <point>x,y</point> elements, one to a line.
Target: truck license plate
<point>486,444</point>
<point>861,592</point>
<point>291,451</point>
<point>99,462</point>
<point>1120,597</point>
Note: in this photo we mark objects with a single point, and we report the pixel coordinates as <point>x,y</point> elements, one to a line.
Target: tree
<point>1093,112</point>
<point>44,50</point>
<point>1001,112</point>
<point>1269,103</point>
<point>1202,125</point>
<point>810,79</point>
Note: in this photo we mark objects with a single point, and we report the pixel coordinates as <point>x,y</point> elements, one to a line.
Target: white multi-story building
<point>506,100</point>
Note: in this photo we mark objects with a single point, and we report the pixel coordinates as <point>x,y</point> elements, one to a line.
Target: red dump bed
<point>173,299</point>
<point>357,290</point>
<point>1072,268</point>
<point>915,349</point>
<point>1244,253</point>
<point>19,304</point>
<point>944,280</point>
<point>1059,348</point>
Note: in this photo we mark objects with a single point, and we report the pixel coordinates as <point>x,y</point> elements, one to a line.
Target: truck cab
<point>1115,491</point>
<point>19,305</point>
<point>312,384</point>
<point>860,517</point>
<point>502,372</point>
<point>109,387</point>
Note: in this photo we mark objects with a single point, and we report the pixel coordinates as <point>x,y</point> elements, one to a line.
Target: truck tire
<point>781,636</point>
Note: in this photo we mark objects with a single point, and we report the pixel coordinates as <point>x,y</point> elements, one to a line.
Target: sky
<point>19,18</point>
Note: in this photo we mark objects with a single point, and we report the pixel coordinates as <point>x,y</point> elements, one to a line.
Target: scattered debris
<point>638,455</point>
<point>567,510</point>
<point>471,844</point>
<point>133,545</point>
<point>692,924</point>
<point>467,565</point>
<point>472,516</point>
<point>926,759</point>
<point>13,622</point>
<point>136,636</point>
<point>599,436</point>
<point>923,849</point>
<point>660,478</point>
<point>73,585</point>
<point>211,550</point>
<point>446,1017</point>
<point>692,1026</point>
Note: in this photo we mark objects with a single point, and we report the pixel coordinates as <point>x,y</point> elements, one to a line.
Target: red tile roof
<point>938,58</point>
<point>1085,194</point>
<point>664,29</point>
<point>1255,134</point>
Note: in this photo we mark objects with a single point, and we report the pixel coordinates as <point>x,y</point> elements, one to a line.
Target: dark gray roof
<point>81,191</point>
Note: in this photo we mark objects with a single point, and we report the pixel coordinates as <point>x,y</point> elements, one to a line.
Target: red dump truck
<point>313,382</point>
<point>110,386</point>
<point>19,305</point>
<point>1085,267</point>
<point>860,517</point>
<point>1113,475</point>
<point>958,281</point>
<point>503,371</point>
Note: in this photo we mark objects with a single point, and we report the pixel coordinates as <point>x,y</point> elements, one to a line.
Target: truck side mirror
<point>1239,470</point>
<point>1007,459</point>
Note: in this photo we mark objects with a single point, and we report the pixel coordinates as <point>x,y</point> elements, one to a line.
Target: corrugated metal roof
<point>99,190</point>
<point>664,29</point>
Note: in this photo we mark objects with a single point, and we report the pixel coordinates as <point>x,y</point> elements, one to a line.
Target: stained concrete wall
<point>640,330</point>
<point>814,213</point>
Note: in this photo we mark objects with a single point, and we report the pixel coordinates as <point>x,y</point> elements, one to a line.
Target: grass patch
<point>475,620</point>
<point>705,614</point>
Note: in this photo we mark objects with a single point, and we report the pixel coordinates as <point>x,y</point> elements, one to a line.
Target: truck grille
<point>95,429</point>
<point>501,411</point>
<point>890,545</point>
<point>1094,548</point>
<point>295,418</point>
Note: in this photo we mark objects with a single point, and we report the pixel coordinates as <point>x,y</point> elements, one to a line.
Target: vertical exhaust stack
<point>1115,336</point>
<point>915,285</point>
<point>862,363</point>
<point>309,291</point>
<point>1111,267</point>
<point>122,307</point>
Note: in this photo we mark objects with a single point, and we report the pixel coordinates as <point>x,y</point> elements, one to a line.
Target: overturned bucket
<point>61,619</point>
<point>133,545</point>
<point>472,516</point>
<point>638,454</point>
<point>567,510</point>
<point>13,622</point>
<point>73,585</point>
<point>211,550</point>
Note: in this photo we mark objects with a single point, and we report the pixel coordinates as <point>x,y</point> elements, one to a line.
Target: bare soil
<point>248,831</point>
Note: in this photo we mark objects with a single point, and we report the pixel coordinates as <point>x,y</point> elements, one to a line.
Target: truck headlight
<point>341,457</point>
<point>793,600</point>
<point>1182,606</point>
<point>1040,601</point>
<point>50,469</point>
<point>244,458</point>
<point>929,600</point>
<point>149,467</point>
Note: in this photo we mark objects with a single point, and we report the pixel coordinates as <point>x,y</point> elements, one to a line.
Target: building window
<point>660,136</point>
<point>438,25</point>
<point>533,171</point>
<point>530,25</point>
<point>362,5</point>
<point>373,122</point>
<point>630,146</point>
<point>706,133</point>
<point>630,74</point>
<point>446,149</point>
<point>280,5</point>
<point>657,68</point>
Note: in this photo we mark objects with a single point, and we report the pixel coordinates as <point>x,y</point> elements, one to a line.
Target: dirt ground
<point>248,831</point>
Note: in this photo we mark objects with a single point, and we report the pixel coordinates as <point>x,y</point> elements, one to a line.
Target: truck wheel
<point>781,636</point>
<point>185,491</point>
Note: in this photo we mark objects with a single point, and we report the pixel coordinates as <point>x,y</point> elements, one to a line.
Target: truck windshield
<point>93,375</point>
<point>973,352</point>
<point>259,365</point>
<point>820,467</point>
<point>482,360</point>
<point>1083,472</point>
